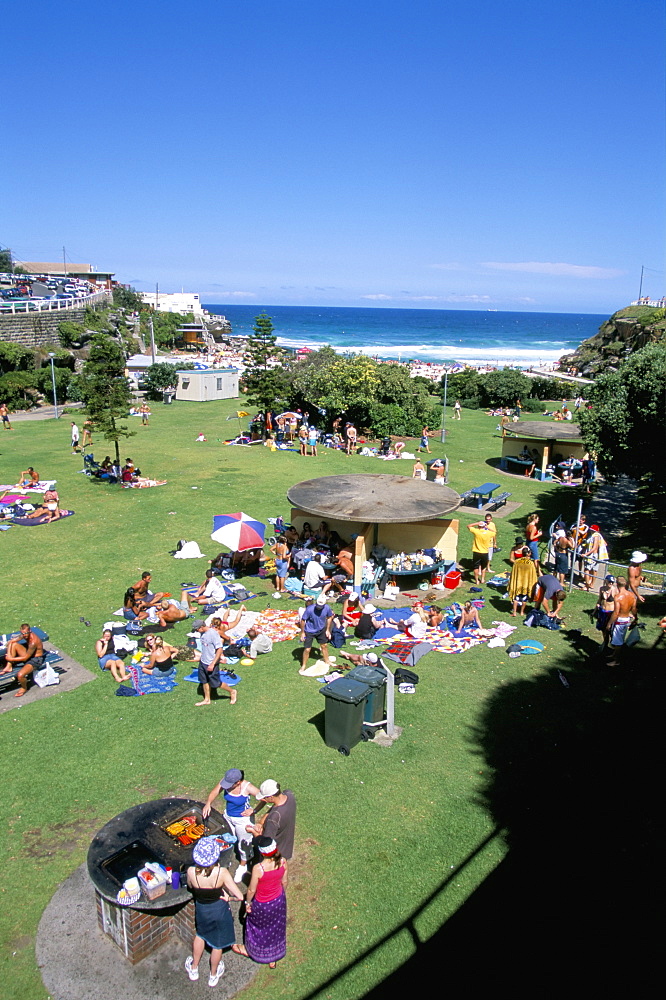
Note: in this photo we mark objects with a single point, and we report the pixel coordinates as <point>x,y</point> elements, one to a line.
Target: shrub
<point>15,358</point>
<point>19,389</point>
<point>71,334</point>
<point>533,405</point>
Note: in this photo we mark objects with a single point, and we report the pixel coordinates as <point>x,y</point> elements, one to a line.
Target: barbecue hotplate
<point>138,835</point>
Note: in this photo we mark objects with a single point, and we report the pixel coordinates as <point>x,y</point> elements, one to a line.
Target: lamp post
<point>446,385</point>
<point>55,398</point>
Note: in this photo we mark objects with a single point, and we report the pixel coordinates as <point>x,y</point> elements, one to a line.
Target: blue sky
<point>418,154</point>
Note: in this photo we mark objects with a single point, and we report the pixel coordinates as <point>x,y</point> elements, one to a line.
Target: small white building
<point>173,302</point>
<point>201,386</point>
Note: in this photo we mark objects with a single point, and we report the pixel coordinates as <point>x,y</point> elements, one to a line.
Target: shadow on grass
<point>573,782</point>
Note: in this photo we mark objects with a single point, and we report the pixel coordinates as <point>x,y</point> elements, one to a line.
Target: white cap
<point>638,556</point>
<point>369,609</point>
<point>371,657</point>
<point>268,787</point>
<point>321,600</point>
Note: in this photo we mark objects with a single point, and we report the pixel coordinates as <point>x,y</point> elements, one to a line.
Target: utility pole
<point>640,288</point>
<point>446,385</point>
<point>152,341</point>
<point>64,262</point>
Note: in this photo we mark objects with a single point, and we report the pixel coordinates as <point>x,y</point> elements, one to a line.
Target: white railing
<point>20,306</point>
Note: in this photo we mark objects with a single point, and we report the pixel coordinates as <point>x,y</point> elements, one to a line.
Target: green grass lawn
<point>378,831</point>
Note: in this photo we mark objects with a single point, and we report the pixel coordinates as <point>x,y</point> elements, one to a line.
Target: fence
<point>22,306</point>
<point>654,580</point>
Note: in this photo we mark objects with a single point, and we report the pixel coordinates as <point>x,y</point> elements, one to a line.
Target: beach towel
<point>30,522</point>
<point>408,653</point>
<point>278,624</point>
<point>225,676</point>
<point>41,487</point>
<point>156,683</point>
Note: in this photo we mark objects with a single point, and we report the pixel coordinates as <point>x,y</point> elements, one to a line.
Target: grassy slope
<point>365,823</point>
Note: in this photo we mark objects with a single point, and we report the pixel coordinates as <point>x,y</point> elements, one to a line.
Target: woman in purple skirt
<point>266,907</point>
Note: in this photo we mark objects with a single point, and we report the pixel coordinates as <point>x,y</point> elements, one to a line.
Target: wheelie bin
<point>343,718</point>
<point>375,678</point>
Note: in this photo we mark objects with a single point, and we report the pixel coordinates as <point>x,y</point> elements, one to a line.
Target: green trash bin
<point>375,678</point>
<point>343,719</point>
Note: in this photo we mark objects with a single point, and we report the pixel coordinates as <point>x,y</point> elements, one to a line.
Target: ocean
<point>469,337</point>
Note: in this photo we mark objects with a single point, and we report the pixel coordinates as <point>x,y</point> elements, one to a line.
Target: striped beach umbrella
<point>239,532</point>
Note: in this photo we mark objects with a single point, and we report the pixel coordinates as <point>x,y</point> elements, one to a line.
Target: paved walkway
<point>79,962</point>
<point>42,413</point>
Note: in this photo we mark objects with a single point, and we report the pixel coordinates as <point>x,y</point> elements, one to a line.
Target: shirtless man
<point>87,440</point>
<point>142,592</point>
<point>170,611</point>
<point>344,570</point>
<point>350,434</point>
<point>634,573</point>
<point>28,651</point>
<point>4,416</point>
<point>624,615</point>
<point>418,470</point>
<point>29,477</point>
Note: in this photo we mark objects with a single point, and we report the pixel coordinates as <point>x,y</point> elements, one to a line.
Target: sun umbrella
<point>290,414</point>
<point>239,532</point>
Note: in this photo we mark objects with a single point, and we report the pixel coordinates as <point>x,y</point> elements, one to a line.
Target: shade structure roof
<point>559,430</point>
<point>375,499</point>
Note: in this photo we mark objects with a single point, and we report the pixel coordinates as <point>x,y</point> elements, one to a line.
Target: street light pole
<point>446,385</point>
<point>53,382</point>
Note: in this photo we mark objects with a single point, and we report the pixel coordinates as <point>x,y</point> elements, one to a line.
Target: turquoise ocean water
<point>495,338</point>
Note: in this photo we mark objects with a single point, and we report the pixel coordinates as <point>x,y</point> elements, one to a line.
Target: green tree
<point>626,425</point>
<point>6,261</point>
<point>14,358</point>
<point>72,334</point>
<point>465,386</point>
<point>504,387</point>
<point>265,381</point>
<point>105,390</point>
<point>161,376</point>
<point>128,298</point>
<point>18,389</point>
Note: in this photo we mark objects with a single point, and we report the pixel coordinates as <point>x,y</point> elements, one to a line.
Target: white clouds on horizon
<point>559,270</point>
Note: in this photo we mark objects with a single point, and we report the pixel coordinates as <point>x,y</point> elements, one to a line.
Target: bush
<point>504,387</point>
<point>71,334</point>
<point>19,389</point>
<point>44,383</point>
<point>15,358</point>
<point>470,402</point>
<point>533,406</point>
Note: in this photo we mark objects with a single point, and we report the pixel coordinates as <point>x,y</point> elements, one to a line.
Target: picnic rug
<point>278,624</point>
<point>30,522</point>
<point>157,683</point>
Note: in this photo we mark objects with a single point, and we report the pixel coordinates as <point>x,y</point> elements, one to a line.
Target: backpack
<point>405,676</point>
<point>180,544</point>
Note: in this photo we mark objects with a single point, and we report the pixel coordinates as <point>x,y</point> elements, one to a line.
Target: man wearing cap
<point>238,812</point>
<point>280,822</point>
<point>595,553</point>
<point>550,589</point>
<point>634,573</point>
<point>484,534</point>
<point>209,663</point>
<point>360,659</point>
<point>316,623</point>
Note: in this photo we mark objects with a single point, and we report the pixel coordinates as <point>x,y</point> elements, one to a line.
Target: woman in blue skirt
<point>212,886</point>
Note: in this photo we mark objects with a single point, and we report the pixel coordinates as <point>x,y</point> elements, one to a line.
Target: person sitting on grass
<point>143,593</point>
<point>435,616</point>
<point>211,591</point>
<point>133,609</point>
<point>415,627</point>
<point>108,659</point>
<point>48,508</point>
<point>469,617</point>
<point>259,643</point>
<point>28,477</point>
<point>26,652</point>
<point>161,655</point>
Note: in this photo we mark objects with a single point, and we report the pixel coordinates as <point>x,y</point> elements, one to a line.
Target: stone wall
<point>38,328</point>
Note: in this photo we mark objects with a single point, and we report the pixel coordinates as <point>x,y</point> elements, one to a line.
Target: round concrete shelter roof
<point>375,499</point>
<point>549,429</point>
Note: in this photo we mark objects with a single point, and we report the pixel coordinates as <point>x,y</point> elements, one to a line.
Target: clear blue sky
<point>421,154</point>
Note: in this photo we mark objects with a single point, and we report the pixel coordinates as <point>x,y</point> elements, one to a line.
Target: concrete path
<point>73,676</point>
<point>43,413</point>
<point>79,962</point>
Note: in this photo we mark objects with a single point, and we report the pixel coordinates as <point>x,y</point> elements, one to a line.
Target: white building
<point>174,302</point>
<point>202,386</point>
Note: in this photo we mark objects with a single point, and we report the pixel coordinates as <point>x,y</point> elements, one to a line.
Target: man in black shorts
<point>26,652</point>
<point>316,624</point>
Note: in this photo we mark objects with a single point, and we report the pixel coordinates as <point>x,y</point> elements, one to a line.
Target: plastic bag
<point>47,676</point>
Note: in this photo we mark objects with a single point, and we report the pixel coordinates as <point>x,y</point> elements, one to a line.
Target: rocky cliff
<point>625,332</point>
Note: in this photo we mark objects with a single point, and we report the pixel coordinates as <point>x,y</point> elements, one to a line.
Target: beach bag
<point>405,676</point>
<point>46,677</point>
<point>180,544</point>
<point>391,591</point>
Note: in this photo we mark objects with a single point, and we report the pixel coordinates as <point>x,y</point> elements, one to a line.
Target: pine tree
<point>105,390</point>
<point>265,380</point>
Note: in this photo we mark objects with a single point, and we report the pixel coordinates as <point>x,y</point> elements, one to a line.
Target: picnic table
<point>517,460</point>
<point>483,494</point>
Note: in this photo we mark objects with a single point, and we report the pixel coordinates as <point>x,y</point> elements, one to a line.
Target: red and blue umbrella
<point>239,532</point>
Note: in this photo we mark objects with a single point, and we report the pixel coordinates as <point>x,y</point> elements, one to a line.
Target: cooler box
<point>452,579</point>
<point>345,706</point>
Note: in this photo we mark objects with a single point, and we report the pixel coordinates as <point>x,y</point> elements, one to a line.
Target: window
<point>185,383</point>
<point>219,384</point>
